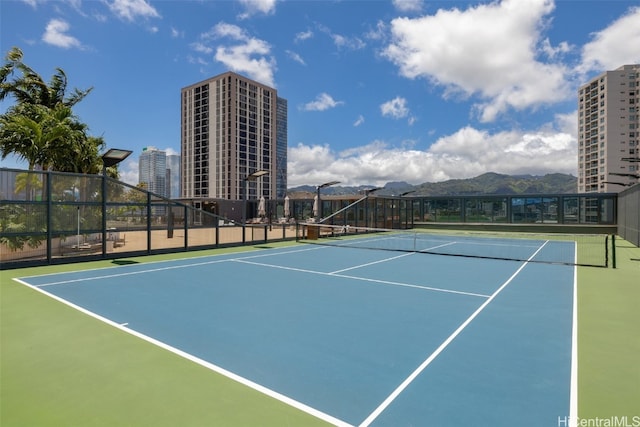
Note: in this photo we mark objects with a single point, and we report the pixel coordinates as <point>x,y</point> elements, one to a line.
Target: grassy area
<point>61,367</point>
<point>608,340</point>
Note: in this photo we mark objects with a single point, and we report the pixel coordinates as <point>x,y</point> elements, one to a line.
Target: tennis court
<point>356,336</point>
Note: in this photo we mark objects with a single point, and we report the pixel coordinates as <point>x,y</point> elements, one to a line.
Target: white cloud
<point>201,48</point>
<point>343,42</point>
<point>568,123</point>
<point>466,153</point>
<point>129,10</point>
<point>324,101</point>
<point>396,108</point>
<point>222,29</point>
<point>241,58</point>
<point>296,57</point>
<point>303,36</point>
<point>32,3</point>
<point>55,34</point>
<point>129,170</point>
<point>249,55</point>
<point>254,7</point>
<point>489,51</point>
<point>378,33</point>
<point>359,121</point>
<point>196,60</point>
<point>555,51</point>
<point>616,45</point>
<point>408,5</point>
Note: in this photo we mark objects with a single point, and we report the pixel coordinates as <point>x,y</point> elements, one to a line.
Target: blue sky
<point>378,91</point>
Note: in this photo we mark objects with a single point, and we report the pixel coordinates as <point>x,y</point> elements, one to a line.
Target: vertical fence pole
<point>148,223</point>
<point>613,250</point>
<point>47,176</point>
<point>104,211</point>
<point>186,228</point>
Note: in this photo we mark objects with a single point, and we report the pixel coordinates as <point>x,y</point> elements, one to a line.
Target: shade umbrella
<point>286,212</point>
<point>315,206</point>
<point>261,209</point>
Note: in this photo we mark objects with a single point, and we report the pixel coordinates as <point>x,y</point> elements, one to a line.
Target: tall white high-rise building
<point>231,127</point>
<point>152,170</point>
<point>173,176</point>
<point>609,131</point>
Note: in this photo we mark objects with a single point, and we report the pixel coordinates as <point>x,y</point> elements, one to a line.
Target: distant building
<point>281,148</point>
<point>173,176</point>
<point>152,170</point>
<point>609,131</point>
<point>231,127</point>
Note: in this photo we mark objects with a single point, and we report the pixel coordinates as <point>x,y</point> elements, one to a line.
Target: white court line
<point>235,377</point>
<point>437,247</point>
<point>130,273</point>
<point>167,261</point>
<point>388,259</point>
<point>371,263</point>
<point>363,279</point>
<point>371,418</point>
<point>573,400</point>
<point>151,270</point>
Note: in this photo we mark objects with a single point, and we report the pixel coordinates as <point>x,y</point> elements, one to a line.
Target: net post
<point>298,229</point>
<point>613,250</point>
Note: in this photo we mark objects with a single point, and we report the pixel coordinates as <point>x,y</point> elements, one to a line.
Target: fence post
<point>186,228</point>
<point>49,217</point>
<point>613,250</point>
<point>148,223</point>
<point>104,211</point>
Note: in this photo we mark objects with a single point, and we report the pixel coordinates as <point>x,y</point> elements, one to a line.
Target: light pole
<point>111,158</point>
<point>403,208</point>
<point>251,177</point>
<point>319,210</point>
<point>366,205</point>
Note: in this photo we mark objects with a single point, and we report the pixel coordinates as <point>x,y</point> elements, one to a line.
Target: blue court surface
<point>354,336</point>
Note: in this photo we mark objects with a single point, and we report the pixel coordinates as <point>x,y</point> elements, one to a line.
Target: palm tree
<point>30,88</point>
<point>41,127</point>
<point>84,158</point>
<point>40,135</point>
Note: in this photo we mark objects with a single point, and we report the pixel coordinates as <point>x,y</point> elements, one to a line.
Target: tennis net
<point>555,248</point>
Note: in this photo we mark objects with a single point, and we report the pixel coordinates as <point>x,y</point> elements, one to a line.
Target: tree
<point>30,88</point>
<point>28,182</point>
<point>41,135</point>
<point>41,127</point>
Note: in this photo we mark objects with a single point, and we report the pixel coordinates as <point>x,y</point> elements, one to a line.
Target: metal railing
<point>52,217</point>
<point>629,214</point>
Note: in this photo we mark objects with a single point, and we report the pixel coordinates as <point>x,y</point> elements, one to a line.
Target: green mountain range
<point>488,183</point>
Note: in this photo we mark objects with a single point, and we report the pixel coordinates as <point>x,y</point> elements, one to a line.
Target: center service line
<point>444,345</point>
